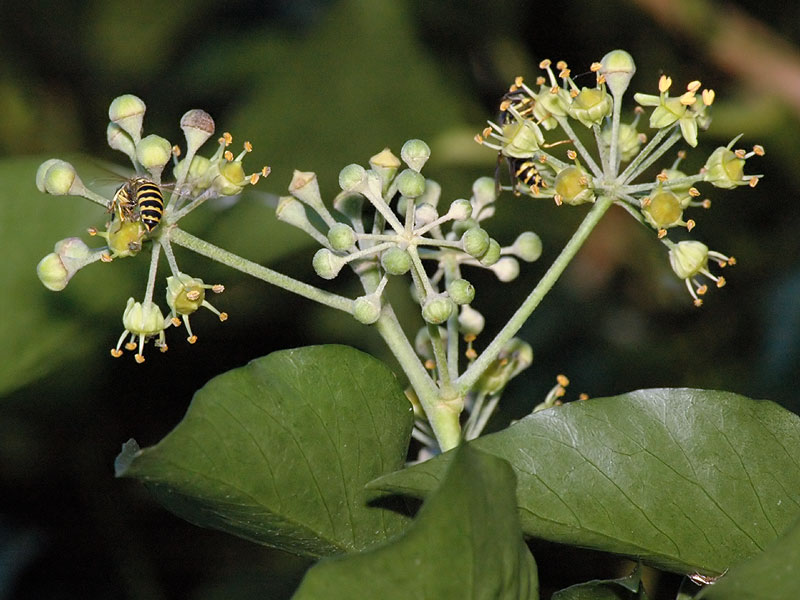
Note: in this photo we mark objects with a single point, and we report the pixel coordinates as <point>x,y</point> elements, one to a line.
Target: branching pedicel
<point>390,222</point>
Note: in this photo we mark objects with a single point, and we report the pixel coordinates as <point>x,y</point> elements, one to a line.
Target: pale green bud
<point>618,68</point>
<point>724,169</point>
<point>197,171</point>
<point>197,126</point>
<point>432,193</point>
<point>351,177</point>
<point>127,111</point>
<point>470,321</point>
<point>118,139</point>
<point>52,272</point>
<point>527,246</point>
<point>460,209</point>
<point>327,264</point>
<point>290,210</point>
<point>475,241</point>
<point>367,309</point>
<point>143,319</point>
<point>423,214</point>
<point>342,237</point>
<point>57,268</point>
<point>437,309</point>
<point>153,152</point>
<point>58,177</point>
<point>506,269</point>
<point>305,187</point>
<point>484,190</point>
<point>492,254</point>
<point>410,183</point>
<point>396,261</point>
<point>461,291</point>
<point>415,153</point>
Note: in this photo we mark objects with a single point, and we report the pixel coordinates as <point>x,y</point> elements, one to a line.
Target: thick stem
<point>476,369</point>
<point>280,280</point>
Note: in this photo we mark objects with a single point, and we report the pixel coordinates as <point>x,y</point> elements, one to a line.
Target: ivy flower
<point>689,259</point>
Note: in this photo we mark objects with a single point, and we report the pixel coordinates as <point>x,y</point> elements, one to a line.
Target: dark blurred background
<point>316,85</point>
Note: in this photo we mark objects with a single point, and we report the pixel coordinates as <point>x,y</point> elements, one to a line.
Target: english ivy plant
<point>308,450</point>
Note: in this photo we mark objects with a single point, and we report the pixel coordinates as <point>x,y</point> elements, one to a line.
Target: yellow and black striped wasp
<point>139,199</point>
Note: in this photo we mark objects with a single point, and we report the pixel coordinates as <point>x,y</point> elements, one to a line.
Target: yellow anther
<point>518,80</point>
<point>545,63</point>
<point>688,98</point>
<point>265,170</point>
<point>139,358</point>
<point>740,153</point>
<point>758,150</point>
<point>698,302</point>
<point>690,224</point>
<point>560,391</point>
<point>248,147</point>
<point>540,80</point>
<point>191,339</point>
<point>664,83</point>
<point>254,178</point>
<point>193,295</point>
<point>601,79</point>
<point>430,364</point>
<point>223,316</point>
<point>706,203</point>
<point>555,89</point>
<point>571,154</point>
<point>471,354</point>
<point>558,200</point>
<point>583,396</point>
<point>573,93</point>
<point>662,177</point>
<point>227,138</point>
<point>163,348</point>
<point>645,202</point>
<point>130,346</point>
<point>694,192</point>
<point>176,321</point>
<point>721,282</point>
<point>564,73</point>
<point>753,181</point>
<point>116,352</point>
<point>504,106</point>
<point>106,257</point>
<point>562,380</point>
<point>217,288</point>
<point>470,337</point>
<point>661,233</point>
<point>708,97</point>
<point>693,86</point>
<point>486,132</point>
<point>595,67</point>
<point>561,65</point>
<point>92,231</point>
<point>176,150</point>
<point>731,261</point>
<point>228,155</point>
<point>478,138</point>
<point>701,290</point>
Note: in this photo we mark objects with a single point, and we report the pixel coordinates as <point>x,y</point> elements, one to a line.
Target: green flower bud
<point>327,264</point>
<point>351,177</point>
<point>492,254</point>
<point>290,210</point>
<point>141,319</point>
<point>432,193</point>
<point>415,153</point>
<point>618,68</point>
<point>367,309</point>
<point>396,261</point>
<point>128,112</point>
<point>57,268</point>
<point>506,269</point>
<point>305,187</point>
<point>118,139</point>
<point>342,237</point>
<point>197,170</point>
<point>461,227</point>
<point>461,291</point>
<point>475,241</point>
<point>460,209</point>
<point>58,178</point>
<point>153,152</point>
<point>724,169</point>
<point>572,186</point>
<point>52,272</point>
<point>437,309</point>
<point>185,294</point>
<point>423,214</point>
<point>484,190</point>
<point>197,126</point>
<point>527,246</point>
<point>688,258</point>
<point>385,164</point>
<point>410,183</point>
<point>591,106</point>
<point>470,321</point>
<point>664,210</point>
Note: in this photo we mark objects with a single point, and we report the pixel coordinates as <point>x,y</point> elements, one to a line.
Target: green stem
<point>442,414</point>
<point>476,369</point>
<point>190,242</point>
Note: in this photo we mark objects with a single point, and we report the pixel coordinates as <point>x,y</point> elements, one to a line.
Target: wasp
<point>139,199</point>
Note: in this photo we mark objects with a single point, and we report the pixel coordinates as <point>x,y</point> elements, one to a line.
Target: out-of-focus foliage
<point>316,85</point>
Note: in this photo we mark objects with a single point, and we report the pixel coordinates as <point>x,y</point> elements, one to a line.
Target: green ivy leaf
<point>466,542</point>
<point>774,574</point>
<point>278,451</point>
<point>625,588</point>
<point>688,480</point>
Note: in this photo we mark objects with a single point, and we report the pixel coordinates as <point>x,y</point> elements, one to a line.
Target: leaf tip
<point>130,450</point>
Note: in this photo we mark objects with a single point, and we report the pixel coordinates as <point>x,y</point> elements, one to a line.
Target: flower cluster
<point>145,211</point>
<point>660,201</point>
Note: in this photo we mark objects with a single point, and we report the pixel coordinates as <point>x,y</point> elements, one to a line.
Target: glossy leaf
<point>624,588</point>
<point>688,480</point>
<point>278,451</point>
<point>466,542</point>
